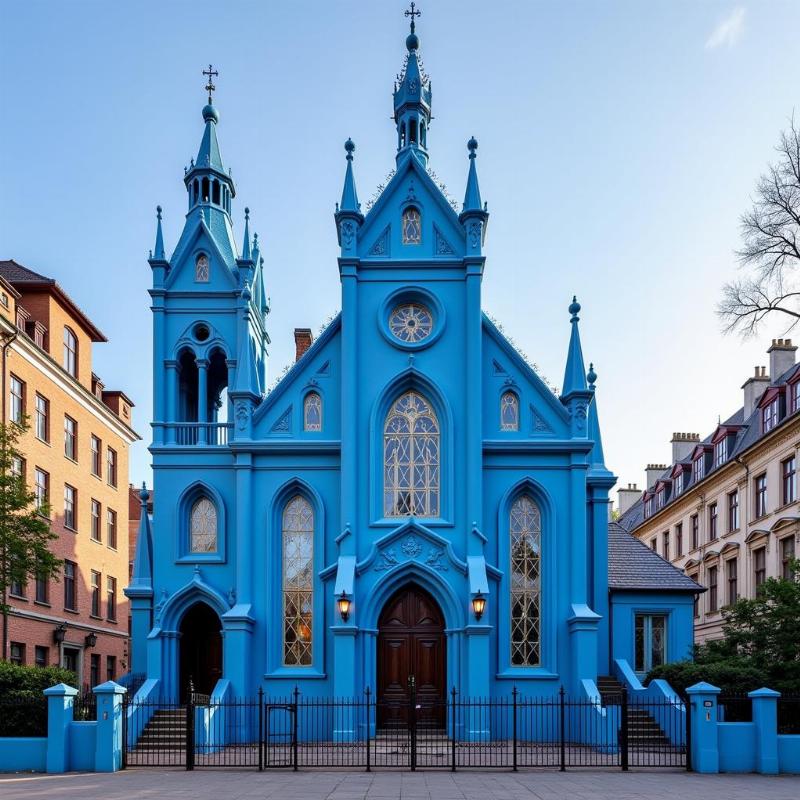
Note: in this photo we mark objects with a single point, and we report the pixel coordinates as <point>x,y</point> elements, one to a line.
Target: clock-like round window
<point>411,322</point>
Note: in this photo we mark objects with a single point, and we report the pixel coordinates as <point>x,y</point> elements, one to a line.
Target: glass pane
<point>203,527</point>
<point>525,539</point>
<point>639,645</point>
<point>658,628</point>
<point>298,581</point>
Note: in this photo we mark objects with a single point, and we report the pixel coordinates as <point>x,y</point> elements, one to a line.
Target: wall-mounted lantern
<point>478,605</point>
<point>91,639</point>
<point>60,633</point>
<point>344,605</point>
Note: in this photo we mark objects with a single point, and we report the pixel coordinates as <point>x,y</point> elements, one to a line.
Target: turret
<point>575,393</point>
<point>348,214</point>
<point>474,215</point>
<point>158,259</point>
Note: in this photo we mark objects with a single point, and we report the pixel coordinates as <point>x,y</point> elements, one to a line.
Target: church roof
<point>633,566</point>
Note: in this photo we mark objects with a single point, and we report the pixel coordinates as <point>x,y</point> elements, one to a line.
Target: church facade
<point>410,503</point>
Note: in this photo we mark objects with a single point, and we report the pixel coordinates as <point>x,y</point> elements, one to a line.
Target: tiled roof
<point>16,273</point>
<point>632,565</point>
<point>748,434</point>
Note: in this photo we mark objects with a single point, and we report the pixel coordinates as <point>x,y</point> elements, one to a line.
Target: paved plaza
<point>252,785</point>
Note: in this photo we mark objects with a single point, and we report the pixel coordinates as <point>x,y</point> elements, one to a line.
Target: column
<point>765,718</point>
<point>703,720</point>
<point>171,410</point>
<point>108,742</point>
<point>60,699</point>
<point>202,400</point>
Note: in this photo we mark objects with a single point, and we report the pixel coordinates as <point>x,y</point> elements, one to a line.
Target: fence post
<point>295,703</point>
<point>453,730</point>
<point>514,725</point>
<point>190,727</point>
<point>60,700</point>
<point>563,731</point>
<point>624,729</point>
<point>110,722</point>
<point>367,692</point>
<point>260,729</point>
<point>765,718</point>
<point>412,694</point>
<point>704,736</point>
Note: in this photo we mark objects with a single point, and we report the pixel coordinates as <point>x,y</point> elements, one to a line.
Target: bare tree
<point>770,253</point>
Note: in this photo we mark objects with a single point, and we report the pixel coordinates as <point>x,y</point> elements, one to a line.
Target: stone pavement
<point>251,785</point>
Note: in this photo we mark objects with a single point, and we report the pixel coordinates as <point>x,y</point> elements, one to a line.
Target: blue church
<point>411,504</point>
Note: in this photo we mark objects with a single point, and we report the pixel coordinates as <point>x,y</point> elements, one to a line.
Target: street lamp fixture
<point>478,605</point>
<point>60,633</point>
<point>344,605</point>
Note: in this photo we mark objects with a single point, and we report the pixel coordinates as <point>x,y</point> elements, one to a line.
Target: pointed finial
<point>144,495</point>
<point>472,146</point>
<point>159,250</point>
<point>412,42</point>
<point>246,246</point>
<point>574,308</point>
<point>349,146</point>
<point>591,376</point>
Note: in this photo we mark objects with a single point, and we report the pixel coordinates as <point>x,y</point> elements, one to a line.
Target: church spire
<point>158,254</point>
<point>474,215</point>
<point>348,215</point>
<point>246,254</point>
<point>575,372</point>
<point>412,99</point>
<point>349,195</point>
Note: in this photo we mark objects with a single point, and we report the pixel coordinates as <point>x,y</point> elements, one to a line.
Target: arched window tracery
<point>203,534</point>
<point>298,581</point>
<point>525,534</point>
<point>312,412</point>
<point>509,412</point>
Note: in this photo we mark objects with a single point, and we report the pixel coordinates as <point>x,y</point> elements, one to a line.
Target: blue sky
<point>619,143</point>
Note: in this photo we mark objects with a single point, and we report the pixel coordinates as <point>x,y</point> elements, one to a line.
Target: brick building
<point>75,460</point>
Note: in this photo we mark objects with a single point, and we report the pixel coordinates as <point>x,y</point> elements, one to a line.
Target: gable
<point>182,267</point>
<point>380,236</point>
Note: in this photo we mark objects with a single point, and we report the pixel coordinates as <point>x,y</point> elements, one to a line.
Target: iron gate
<point>512,732</point>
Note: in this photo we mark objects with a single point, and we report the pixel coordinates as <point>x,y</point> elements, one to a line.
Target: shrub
<point>23,706</point>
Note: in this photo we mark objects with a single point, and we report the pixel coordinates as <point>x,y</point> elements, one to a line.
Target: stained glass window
<point>411,459</point>
<point>509,412</point>
<point>203,527</point>
<point>411,322</point>
<point>312,412</point>
<point>298,581</point>
<point>201,270</point>
<point>525,530</point>
<point>412,227</point>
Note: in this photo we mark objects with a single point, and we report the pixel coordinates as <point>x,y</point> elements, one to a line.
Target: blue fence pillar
<point>703,722</point>
<point>108,746</point>
<point>60,699</point>
<point>765,718</point>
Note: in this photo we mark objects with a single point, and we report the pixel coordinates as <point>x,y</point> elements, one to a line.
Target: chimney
<point>753,389</point>
<point>627,497</point>
<point>653,473</point>
<point>682,445</point>
<point>303,338</point>
<point>781,357</point>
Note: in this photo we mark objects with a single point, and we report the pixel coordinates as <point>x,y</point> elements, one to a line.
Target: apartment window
<point>721,452</point>
<point>677,485</point>
<point>649,507</point>
<point>18,466</point>
<point>654,545</point>
<point>42,589</point>
<point>795,396</point>
<point>111,466</point>
<point>70,352</point>
<point>94,670</point>
<point>70,503</point>
<point>787,555</point>
<point>16,400</point>
<point>17,588</point>
<point>788,477</point>
<point>41,489</point>
<point>97,448</point>
<point>732,567</point>
<point>95,594</point>
<point>111,518</point>
<point>4,299</point>
<point>41,418</point>
<point>697,468</point>
<point>712,522</point>
<point>759,566</point>
<point>761,495</point>
<point>696,599</point>
<point>712,589</point>
<point>70,594</point>
<point>41,655</point>
<point>666,545</point>
<point>95,532</point>
<point>661,498</point>
<point>679,540</point>
<point>70,438</point>
<point>111,668</point>
<point>769,416</point>
<point>695,531</point>
<point>111,598</point>
<point>733,510</point>
<point>17,655</point>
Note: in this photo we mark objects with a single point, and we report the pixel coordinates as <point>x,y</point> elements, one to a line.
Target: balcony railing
<point>198,434</point>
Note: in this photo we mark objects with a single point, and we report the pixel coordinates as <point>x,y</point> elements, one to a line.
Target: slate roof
<point>632,565</point>
<point>749,434</point>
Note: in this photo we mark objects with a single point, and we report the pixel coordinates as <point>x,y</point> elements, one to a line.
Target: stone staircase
<point>643,730</point>
<point>165,731</point>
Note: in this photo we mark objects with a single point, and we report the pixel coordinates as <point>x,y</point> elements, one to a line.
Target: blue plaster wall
<point>82,745</point>
<point>23,754</point>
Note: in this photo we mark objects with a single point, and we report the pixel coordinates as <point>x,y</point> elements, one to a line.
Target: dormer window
<point>649,506</point>
<point>721,452</point>
<point>201,269</point>
<point>769,416</point>
<point>661,498</point>
<point>412,227</point>
<point>698,470</point>
<point>677,484</point>
<point>794,393</point>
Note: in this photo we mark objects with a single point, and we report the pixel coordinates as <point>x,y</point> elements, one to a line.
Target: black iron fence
<point>512,732</point>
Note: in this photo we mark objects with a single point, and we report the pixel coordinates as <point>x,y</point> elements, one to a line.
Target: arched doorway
<point>411,648</point>
<point>200,650</point>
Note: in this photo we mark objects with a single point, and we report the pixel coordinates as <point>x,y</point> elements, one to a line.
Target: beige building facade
<point>75,459</point>
<point>726,510</point>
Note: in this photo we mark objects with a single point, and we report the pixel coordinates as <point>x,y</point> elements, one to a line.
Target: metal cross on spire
<point>212,73</point>
<point>413,13</point>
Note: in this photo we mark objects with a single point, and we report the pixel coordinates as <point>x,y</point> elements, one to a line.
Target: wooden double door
<point>412,653</point>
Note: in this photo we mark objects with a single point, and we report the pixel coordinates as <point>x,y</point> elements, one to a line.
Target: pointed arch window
<point>412,226</point>
<point>203,527</point>
<point>411,459</point>
<point>525,533</point>
<point>298,581</point>
<point>312,412</point>
<point>201,269</point>
<point>509,412</point>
